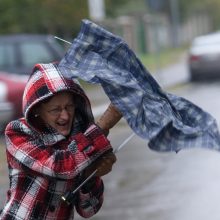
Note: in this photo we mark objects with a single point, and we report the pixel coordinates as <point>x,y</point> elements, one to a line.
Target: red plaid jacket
<point>44,165</point>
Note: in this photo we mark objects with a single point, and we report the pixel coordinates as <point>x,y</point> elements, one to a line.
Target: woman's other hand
<point>103,165</point>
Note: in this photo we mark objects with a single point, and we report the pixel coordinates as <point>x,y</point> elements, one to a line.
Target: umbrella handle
<point>69,196</point>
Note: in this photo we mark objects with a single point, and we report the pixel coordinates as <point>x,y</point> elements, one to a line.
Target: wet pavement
<point>165,186</point>
<point>161,186</point>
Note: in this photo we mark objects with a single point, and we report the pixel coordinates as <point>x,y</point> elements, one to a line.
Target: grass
<point>162,58</point>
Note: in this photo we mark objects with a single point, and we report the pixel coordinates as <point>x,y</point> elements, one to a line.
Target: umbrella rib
<point>61,39</point>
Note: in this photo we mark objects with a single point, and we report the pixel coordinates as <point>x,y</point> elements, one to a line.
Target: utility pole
<point>155,7</point>
<point>174,8</point>
<point>96,9</point>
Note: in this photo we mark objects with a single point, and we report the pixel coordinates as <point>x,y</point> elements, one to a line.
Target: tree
<point>42,16</point>
<point>63,17</point>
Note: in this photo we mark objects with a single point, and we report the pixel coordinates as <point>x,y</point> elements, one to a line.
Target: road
<point>165,186</point>
<point>160,186</point>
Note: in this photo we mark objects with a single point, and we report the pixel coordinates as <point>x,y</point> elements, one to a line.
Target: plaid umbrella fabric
<point>168,122</point>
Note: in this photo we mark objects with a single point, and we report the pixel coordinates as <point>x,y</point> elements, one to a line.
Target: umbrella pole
<point>69,196</point>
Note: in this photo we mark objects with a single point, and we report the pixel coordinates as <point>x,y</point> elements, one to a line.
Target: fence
<point>145,33</point>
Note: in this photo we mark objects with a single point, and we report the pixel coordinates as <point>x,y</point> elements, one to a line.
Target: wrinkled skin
<point>58,112</point>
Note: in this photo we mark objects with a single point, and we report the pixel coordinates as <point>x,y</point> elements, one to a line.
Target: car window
<point>7,56</point>
<point>207,40</point>
<point>34,52</point>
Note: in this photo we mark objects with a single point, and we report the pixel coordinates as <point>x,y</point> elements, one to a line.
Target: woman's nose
<point>64,114</point>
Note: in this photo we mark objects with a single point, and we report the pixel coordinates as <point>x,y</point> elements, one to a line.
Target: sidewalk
<point>174,74</point>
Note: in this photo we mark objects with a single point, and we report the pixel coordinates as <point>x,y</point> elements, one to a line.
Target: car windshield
<point>207,40</point>
<point>7,56</point>
<point>34,52</point>
<point>18,54</point>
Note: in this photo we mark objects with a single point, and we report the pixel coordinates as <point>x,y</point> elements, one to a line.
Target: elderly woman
<point>53,148</point>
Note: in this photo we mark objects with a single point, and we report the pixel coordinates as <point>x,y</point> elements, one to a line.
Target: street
<point>165,186</point>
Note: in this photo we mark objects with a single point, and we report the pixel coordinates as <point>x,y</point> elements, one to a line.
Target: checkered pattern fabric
<point>168,122</point>
<point>44,165</point>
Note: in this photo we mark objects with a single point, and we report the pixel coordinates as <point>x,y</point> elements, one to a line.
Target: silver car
<point>204,57</point>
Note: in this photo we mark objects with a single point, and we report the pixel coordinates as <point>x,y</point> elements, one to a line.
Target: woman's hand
<point>103,165</point>
<point>109,119</point>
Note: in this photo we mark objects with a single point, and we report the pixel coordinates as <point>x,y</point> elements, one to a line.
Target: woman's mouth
<point>63,124</point>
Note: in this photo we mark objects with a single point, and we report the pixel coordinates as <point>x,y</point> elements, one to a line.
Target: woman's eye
<point>55,110</point>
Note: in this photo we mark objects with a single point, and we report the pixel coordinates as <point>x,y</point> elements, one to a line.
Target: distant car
<point>11,92</point>
<point>204,57</point>
<point>18,53</point>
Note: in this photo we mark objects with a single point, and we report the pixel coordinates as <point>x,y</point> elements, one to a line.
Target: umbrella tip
<point>61,39</point>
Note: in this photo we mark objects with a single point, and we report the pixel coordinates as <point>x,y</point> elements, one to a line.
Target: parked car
<point>204,57</point>
<point>11,91</point>
<point>18,54</point>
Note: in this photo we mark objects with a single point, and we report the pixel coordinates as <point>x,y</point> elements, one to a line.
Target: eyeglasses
<point>58,110</point>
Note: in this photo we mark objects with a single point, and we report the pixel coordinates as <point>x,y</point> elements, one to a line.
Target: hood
<point>47,80</point>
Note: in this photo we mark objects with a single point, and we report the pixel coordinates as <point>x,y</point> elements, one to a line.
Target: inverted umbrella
<point>167,121</point>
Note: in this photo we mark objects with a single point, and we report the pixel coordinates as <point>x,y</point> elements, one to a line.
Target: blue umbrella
<point>166,121</point>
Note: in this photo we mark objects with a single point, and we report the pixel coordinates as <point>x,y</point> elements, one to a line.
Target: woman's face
<point>59,112</point>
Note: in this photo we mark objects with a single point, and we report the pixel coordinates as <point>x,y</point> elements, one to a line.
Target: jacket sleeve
<point>90,200</point>
<point>24,151</point>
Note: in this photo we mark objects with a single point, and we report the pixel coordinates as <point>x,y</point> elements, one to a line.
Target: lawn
<point>162,59</point>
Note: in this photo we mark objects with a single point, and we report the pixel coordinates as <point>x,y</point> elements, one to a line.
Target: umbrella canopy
<point>168,122</point>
